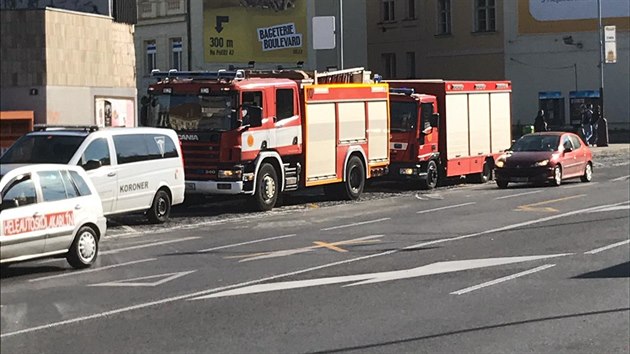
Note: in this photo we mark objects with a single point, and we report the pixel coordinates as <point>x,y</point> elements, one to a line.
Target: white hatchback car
<point>50,210</point>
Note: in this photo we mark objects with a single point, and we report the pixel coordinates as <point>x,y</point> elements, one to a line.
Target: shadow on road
<point>469,330</point>
<point>619,271</point>
<point>16,271</point>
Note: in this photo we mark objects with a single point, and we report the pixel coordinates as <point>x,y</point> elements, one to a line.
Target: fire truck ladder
<point>219,75</point>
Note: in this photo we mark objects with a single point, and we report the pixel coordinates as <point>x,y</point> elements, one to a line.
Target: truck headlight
<point>541,163</point>
<point>230,174</point>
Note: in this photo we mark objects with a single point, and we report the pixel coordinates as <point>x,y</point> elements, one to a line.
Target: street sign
<point>610,44</point>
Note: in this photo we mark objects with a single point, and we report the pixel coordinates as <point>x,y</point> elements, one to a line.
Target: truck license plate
<point>190,186</point>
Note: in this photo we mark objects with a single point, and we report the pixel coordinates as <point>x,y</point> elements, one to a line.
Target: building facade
<point>541,46</point>
<point>212,35</point>
<point>68,67</point>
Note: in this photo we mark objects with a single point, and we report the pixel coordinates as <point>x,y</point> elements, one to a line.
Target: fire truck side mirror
<point>252,116</point>
<point>435,120</point>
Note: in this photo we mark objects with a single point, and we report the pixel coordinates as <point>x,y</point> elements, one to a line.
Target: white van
<point>133,169</point>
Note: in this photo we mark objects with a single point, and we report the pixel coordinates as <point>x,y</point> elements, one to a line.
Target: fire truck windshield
<point>190,112</point>
<point>403,115</point>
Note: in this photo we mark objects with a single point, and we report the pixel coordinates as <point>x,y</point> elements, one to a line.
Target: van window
<point>169,148</point>
<point>21,189</point>
<point>52,186</point>
<point>131,148</point>
<point>43,149</point>
<point>80,183</point>
<point>160,146</point>
<point>97,150</point>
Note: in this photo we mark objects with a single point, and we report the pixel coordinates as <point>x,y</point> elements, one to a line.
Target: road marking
<point>330,246</point>
<point>612,208</point>
<point>511,227</point>
<point>533,207</point>
<point>444,208</point>
<point>246,243</point>
<point>106,314</point>
<point>597,250</point>
<point>92,270</point>
<point>579,185</point>
<point>148,245</point>
<point>622,178</point>
<point>354,224</point>
<point>516,195</point>
<point>371,278</point>
<point>501,280</point>
<point>289,252</point>
<point>166,277</point>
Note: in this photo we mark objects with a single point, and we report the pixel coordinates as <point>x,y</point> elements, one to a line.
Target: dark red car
<point>547,156</point>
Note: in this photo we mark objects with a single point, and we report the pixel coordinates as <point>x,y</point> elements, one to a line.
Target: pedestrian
<point>540,124</point>
<point>595,117</point>
<point>587,127</point>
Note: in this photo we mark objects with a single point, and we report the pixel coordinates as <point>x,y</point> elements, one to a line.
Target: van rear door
<point>105,177</point>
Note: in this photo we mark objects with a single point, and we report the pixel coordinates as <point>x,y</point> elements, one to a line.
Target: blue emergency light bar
<point>200,75</point>
<point>403,91</point>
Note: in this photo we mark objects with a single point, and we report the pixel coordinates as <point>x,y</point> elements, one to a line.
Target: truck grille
<point>200,160</point>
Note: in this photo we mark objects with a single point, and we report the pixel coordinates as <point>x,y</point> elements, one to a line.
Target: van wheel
<point>355,179</point>
<point>84,248</point>
<point>160,209</point>
<point>266,193</point>
<point>432,177</point>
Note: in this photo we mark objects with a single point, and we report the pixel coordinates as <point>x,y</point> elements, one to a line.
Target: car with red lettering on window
<point>50,210</point>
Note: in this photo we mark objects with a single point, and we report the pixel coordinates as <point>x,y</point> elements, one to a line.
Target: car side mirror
<point>9,204</point>
<point>92,165</point>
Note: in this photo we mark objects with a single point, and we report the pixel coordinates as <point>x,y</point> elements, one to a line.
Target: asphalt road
<point>461,269</point>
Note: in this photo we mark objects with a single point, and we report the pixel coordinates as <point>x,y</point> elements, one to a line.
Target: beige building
<point>68,67</point>
<point>541,46</point>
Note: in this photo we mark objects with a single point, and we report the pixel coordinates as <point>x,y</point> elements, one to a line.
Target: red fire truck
<point>262,133</point>
<point>446,129</point>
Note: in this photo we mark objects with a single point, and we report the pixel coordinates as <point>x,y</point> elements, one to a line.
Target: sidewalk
<point>611,149</point>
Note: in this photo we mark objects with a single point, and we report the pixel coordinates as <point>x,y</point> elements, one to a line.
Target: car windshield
<point>43,149</point>
<point>537,143</point>
<point>403,116</point>
<point>191,112</point>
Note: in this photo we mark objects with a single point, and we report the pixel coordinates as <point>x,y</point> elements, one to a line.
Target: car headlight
<point>499,163</point>
<point>541,163</point>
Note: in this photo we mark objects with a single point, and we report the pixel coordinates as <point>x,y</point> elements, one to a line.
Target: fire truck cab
<point>262,133</point>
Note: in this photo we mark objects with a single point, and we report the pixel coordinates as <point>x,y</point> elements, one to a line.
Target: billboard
<point>556,10</point>
<point>266,31</point>
<point>114,112</point>
<point>102,7</point>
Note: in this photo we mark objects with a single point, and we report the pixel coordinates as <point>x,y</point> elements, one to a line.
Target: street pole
<point>341,34</point>
<point>576,75</point>
<point>600,30</point>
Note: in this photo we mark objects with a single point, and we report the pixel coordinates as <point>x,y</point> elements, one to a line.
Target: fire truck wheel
<point>432,176</point>
<point>484,176</point>
<point>355,179</point>
<point>160,209</point>
<point>266,192</point>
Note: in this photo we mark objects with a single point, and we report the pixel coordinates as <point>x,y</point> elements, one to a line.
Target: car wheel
<point>557,176</point>
<point>502,183</point>
<point>588,173</point>
<point>355,179</point>
<point>84,248</point>
<point>432,176</point>
<point>160,209</point>
<point>266,193</point>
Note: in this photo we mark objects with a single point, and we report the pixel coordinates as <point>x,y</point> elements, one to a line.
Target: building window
<point>151,56</point>
<point>146,7</point>
<point>388,10</point>
<point>176,57</point>
<point>173,5</point>
<point>411,9</point>
<point>389,64</point>
<point>444,17</point>
<point>485,19</point>
<point>411,65</point>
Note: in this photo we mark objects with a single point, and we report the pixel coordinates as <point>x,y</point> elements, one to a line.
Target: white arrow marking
<point>361,279</point>
<point>501,280</point>
<point>166,277</point>
<point>601,249</point>
<point>612,208</point>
